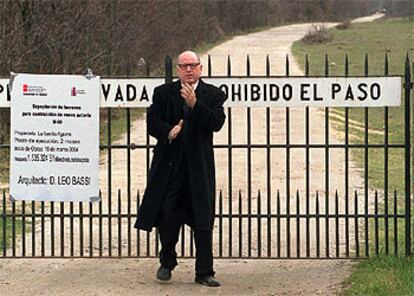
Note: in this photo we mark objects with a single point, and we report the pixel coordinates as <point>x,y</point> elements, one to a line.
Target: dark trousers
<point>174,209</point>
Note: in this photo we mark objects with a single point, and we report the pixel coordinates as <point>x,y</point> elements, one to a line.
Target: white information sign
<point>259,91</point>
<point>54,137</point>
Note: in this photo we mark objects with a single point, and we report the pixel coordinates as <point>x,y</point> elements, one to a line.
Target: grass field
<point>394,37</point>
<point>382,275</point>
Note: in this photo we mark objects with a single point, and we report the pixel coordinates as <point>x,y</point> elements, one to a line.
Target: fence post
<point>407,90</point>
<point>168,69</point>
<point>412,153</point>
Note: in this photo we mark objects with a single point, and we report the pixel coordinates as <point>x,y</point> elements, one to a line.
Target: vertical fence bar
<point>386,133</point>
<point>128,142</point>
<point>52,229</point>
<point>71,229</point>
<point>269,171</point>
<point>23,228</point>
<point>33,214</point>
<point>278,224</point>
<point>13,216</point>
<point>346,167</point>
<point>109,138</point>
<point>119,223</point>
<point>249,168</point>
<point>42,228</point>
<point>129,224</point>
<point>62,228</point>
<point>287,170</point>
<point>240,225</point>
<point>259,225</point>
<point>269,226</point>
<point>147,69</point>
<point>386,227</point>
<point>220,224</point>
<point>366,169</point>
<point>326,167</point>
<point>307,165</point>
<point>376,224</point>
<point>297,225</point>
<point>80,205</point>
<point>337,224</point>
<point>317,222</point>
<point>407,157</point>
<point>395,216</point>
<point>138,236</point>
<point>230,165</point>
<point>109,192</point>
<point>412,151</point>
<point>90,229</point>
<point>356,225</point>
<point>4,217</point>
<point>100,229</point>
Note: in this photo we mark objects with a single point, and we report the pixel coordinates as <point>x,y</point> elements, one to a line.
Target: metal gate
<point>271,218</point>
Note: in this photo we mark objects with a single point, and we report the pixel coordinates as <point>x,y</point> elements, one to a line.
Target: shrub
<point>316,35</point>
<point>344,26</point>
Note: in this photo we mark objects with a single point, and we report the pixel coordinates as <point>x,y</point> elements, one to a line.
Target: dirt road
<point>239,277</point>
<point>136,277</point>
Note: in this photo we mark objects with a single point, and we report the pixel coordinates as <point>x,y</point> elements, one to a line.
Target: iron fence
<point>266,219</point>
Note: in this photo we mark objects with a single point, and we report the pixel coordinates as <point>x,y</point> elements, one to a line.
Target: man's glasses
<point>184,66</point>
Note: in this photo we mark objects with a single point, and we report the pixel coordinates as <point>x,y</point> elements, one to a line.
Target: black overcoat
<point>207,116</point>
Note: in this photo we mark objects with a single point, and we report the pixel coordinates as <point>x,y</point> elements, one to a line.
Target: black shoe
<point>207,280</point>
<point>164,274</point>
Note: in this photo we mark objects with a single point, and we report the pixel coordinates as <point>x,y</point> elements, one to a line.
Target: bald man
<point>181,182</point>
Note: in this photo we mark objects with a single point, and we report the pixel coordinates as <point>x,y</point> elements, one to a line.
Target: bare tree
<point>111,36</point>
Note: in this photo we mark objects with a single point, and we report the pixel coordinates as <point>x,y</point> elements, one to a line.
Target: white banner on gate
<point>126,93</point>
<point>310,91</point>
<point>54,138</point>
<point>259,91</point>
